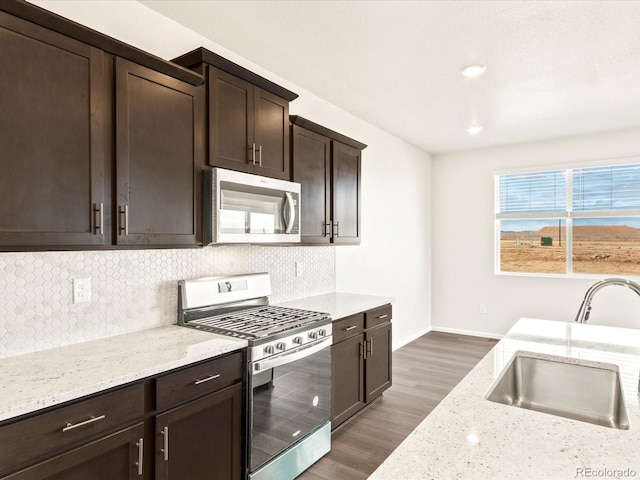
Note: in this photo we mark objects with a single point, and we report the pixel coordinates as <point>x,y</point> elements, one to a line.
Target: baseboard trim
<point>471,333</point>
<point>410,339</point>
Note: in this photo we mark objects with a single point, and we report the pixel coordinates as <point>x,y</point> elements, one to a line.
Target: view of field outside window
<point>601,241</point>
<point>607,245</point>
<point>535,246</point>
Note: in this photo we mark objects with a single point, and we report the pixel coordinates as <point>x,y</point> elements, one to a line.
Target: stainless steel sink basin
<point>590,391</point>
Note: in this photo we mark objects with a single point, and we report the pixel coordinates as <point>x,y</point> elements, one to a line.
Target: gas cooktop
<point>258,322</point>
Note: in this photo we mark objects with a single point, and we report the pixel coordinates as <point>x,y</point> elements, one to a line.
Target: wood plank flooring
<point>424,372</point>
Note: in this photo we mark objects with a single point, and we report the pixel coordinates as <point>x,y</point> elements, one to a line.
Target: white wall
<point>463,241</point>
<point>394,257</point>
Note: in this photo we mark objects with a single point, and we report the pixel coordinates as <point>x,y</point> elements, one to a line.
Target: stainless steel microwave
<point>244,208</point>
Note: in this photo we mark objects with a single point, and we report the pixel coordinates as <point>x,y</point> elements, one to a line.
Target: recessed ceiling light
<point>472,71</point>
<point>474,129</point>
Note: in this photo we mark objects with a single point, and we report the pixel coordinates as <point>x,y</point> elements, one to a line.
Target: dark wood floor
<point>424,372</point>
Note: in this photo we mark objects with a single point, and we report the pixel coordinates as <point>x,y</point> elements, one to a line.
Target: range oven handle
<point>292,356</point>
<point>290,217</point>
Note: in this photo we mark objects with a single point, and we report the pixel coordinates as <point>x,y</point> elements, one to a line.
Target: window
<point>584,221</point>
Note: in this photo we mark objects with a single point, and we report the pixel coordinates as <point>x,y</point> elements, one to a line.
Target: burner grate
<point>258,322</point>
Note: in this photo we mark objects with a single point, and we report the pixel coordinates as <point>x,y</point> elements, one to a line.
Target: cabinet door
<point>378,363</point>
<point>114,457</point>
<point>231,122</point>
<point>201,440</point>
<point>52,138</point>
<point>312,169</point>
<point>272,135</point>
<point>159,158</point>
<point>347,379</point>
<point>346,194</point>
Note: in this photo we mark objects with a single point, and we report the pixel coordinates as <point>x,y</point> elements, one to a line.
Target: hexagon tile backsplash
<point>133,290</point>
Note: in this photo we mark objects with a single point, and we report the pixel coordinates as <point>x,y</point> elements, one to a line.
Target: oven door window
<point>288,402</point>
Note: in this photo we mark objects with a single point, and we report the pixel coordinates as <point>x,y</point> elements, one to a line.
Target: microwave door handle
<point>288,357</point>
<point>290,219</point>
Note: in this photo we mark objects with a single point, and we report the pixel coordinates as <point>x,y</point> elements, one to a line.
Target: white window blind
<point>606,188</point>
<point>532,193</point>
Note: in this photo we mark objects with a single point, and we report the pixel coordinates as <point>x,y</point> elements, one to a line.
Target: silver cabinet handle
<point>208,379</point>
<point>363,346</point>
<point>71,426</point>
<point>382,316</point>
<point>370,352</point>
<point>124,220</point>
<point>350,328</point>
<point>99,223</point>
<point>336,229</point>
<point>140,446</point>
<point>326,227</point>
<point>165,443</point>
<point>253,155</point>
<point>260,156</point>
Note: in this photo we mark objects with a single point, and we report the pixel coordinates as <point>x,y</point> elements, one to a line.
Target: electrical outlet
<point>482,308</point>
<point>81,290</point>
<point>298,269</point>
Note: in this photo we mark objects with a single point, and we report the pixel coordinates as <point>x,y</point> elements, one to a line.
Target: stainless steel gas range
<point>288,399</point>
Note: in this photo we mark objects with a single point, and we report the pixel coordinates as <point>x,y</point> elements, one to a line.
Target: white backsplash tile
<point>132,290</point>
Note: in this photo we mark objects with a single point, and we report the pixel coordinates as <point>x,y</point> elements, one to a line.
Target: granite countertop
<point>468,437</point>
<point>50,377</point>
<point>42,379</point>
<point>338,304</point>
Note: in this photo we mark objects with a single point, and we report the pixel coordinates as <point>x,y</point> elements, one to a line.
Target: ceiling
<point>554,68</point>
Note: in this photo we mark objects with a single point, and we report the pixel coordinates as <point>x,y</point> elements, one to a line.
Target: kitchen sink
<point>577,389</point>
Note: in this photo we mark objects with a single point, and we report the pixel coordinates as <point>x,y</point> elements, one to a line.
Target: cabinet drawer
<point>377,316</point>
<point>198,380</point>
<point>57,430</point>
<point>347,327</point>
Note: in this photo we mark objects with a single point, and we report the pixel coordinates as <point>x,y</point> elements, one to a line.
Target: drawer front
<point>197,380</point>
<point>347,327</point>
<point>37,437</point>
<point>377,316</point>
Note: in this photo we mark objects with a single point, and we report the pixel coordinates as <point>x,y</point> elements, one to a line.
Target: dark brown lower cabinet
<point>186,424</point>
<point>360,362</point>
<point>201,439</point>
<point>114,457</point>
<point>378,363</point>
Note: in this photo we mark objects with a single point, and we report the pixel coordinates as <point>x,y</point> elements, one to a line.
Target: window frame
<point>568,215</point>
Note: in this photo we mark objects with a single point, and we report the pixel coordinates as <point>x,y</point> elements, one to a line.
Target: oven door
<point>290,396</point>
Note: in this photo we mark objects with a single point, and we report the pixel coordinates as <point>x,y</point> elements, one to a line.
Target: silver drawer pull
<point>165,443</point>
<point>71,426</point>
<point>350,328</point>
<point>140,461</point>
<point>382,316</point>
<point>208,379</point>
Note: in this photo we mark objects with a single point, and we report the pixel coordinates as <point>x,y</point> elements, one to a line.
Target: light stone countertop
<point>338,304</point>
<point>468,437</point>
<point>42,379</point>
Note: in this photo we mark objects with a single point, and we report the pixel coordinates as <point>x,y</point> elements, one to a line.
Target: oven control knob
<point>298,340</point>
<point>322,332</point>
<point>312,335</point>
<point>281,345</point>
<point>268,349</point>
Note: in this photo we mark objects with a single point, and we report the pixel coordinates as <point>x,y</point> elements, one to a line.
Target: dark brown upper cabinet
<point>248,117</point>
<point>328,166</point>
<point>52,139</point>
<point>58,132</point>
<point>159,158</point>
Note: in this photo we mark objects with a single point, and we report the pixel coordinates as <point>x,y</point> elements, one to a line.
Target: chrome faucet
<point>585,308</point>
